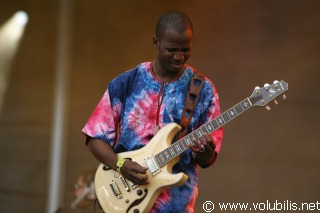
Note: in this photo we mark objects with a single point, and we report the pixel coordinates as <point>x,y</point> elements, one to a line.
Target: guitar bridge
<point>153,166</point>
<point>115,189</point>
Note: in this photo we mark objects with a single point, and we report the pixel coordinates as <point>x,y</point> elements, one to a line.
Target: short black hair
<point>175,20</point>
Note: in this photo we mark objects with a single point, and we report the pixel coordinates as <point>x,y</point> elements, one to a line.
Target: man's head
<point>173,41</point>
<point>173,20</point>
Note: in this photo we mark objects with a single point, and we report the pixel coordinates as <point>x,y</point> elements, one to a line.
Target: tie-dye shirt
<point>131,104</point>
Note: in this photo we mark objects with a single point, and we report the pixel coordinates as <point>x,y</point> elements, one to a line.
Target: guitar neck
<point>182,145</point>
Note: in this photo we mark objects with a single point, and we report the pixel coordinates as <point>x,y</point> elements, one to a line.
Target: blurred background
<point>56,64</point>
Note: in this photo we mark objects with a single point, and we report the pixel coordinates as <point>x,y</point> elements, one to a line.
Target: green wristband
<point>120,163</point>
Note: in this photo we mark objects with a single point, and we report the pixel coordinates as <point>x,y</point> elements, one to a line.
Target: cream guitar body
<point>116,194</point>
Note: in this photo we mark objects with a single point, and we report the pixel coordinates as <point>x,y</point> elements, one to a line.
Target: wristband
<point>120,163</point>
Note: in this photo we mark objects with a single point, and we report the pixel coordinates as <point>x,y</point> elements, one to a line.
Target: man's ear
<point>155,42</point>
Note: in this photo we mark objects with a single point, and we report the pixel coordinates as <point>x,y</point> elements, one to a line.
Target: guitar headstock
<point>262,96</point>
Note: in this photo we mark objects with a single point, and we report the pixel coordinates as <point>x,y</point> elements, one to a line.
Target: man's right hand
<point>134,172</point>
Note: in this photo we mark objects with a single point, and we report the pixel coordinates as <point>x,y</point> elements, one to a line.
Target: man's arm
<point>105,154</point>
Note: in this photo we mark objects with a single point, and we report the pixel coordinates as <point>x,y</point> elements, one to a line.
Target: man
<point>146,98</point>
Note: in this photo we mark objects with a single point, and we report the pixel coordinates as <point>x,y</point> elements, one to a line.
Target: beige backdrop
<point>266,155</point>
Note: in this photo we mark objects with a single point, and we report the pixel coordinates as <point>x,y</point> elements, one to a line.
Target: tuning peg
<point>284,96</point>
<point>257,89</point>
<point>275,81</point>
<point>266,85</point>
<point>268,108</point>
<point>276,102</point>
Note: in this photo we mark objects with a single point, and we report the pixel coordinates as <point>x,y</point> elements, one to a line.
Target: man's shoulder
<point>124,81</point>
<point>131,73</point>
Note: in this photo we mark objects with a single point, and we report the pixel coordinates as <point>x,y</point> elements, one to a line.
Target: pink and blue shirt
<point>134,103</point>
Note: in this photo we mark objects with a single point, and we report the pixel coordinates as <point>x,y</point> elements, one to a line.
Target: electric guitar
<point>116,194</point>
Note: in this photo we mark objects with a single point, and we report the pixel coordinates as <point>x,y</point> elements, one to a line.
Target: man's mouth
<point>178,66</point>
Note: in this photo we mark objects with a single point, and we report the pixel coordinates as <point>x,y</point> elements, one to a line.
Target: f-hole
<point>137,202</point>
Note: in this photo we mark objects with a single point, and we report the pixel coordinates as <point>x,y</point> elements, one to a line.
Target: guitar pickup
<point>124,183</point>
<point>153,166</point>
<point>133,185</point>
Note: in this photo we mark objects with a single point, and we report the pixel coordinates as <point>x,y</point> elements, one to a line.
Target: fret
<point>166,154</point>
<point>183,145</point>
<point>243,109</point>
<point>204,129</point>
<point>238,108</point>
<point>220,120</point>
<point>215,124</point>
<point>174,148</point>
<point>245,104</point>
<point>194,135</point>
<point>198,133</point>
<point>156,157</point>
<point>171,150</point>
<point>209,126</point>
<point>201,133</point>
<point>232,113</point>
<point>226,117</point>
<point>162,160</point>
<point>190,136</point>
<point>189,142</point>
<point>159,159</point>
<point>178,147</point>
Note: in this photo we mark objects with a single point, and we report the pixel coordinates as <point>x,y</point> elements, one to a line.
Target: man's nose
<point>179,56</point>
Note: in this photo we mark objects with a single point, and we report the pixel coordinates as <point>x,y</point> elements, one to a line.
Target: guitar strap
<point>192,99</point>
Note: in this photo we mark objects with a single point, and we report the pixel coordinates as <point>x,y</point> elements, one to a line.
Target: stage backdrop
<point>266,156</point>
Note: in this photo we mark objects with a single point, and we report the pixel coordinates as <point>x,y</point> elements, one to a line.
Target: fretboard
<point>182,145</point>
